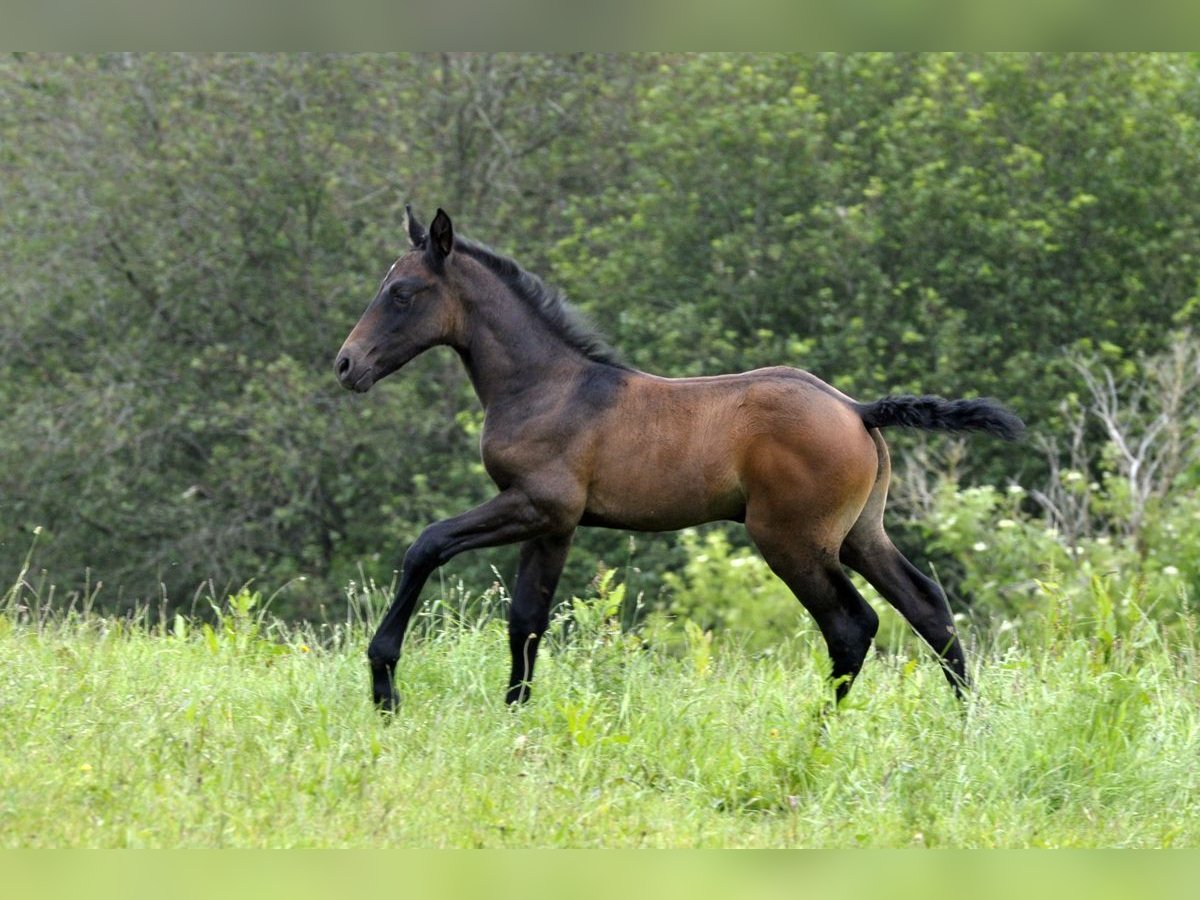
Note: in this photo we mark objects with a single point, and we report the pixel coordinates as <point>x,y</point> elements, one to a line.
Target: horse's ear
<point>416,231</point>
<point>441,234</point>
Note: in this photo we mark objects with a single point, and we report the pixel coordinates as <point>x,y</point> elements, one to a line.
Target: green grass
<point>130,733</point>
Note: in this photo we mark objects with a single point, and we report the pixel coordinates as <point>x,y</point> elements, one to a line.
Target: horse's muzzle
<point>354,377</point>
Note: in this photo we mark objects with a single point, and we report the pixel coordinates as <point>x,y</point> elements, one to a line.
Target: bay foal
<point>574,437</point>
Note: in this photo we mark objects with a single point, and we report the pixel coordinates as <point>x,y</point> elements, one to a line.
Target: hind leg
<point>846,620</point>
<point>805,488</point>
<point>917,597</point>
<point>869,551</point>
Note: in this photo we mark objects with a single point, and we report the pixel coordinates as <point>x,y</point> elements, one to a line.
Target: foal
<point>573,437</point>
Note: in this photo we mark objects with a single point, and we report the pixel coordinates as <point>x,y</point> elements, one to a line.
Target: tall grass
<point>242,731</point>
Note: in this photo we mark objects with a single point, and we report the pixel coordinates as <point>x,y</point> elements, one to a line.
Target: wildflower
<point>303,648</point>
<point>1072,476</point>
<point>1015,489</point>
<point>979,546</point>
<point>1170,571</point>
<point>85,768</point>
<point>1006,523</point>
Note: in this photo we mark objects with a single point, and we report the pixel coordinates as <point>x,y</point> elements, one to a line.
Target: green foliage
<point>598,619</point>
<point>1015,571</point>
<point>730,591</point>
<point>241,629</point>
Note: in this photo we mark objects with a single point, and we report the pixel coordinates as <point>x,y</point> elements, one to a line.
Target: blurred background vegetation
<point>186,240</point>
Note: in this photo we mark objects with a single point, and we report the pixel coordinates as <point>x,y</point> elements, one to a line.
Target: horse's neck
<point>507,355</point>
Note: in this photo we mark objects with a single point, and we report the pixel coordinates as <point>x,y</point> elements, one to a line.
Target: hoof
<point>386,698</point>
<point>517,694</point>
<point>383,691</point>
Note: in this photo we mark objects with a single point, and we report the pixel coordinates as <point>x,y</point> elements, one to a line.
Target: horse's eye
<point>401,295</point>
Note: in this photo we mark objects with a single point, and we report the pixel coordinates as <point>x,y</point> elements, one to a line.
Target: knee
<point>425,552</point>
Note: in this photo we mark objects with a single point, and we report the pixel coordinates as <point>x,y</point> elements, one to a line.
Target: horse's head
<point>414,309</point>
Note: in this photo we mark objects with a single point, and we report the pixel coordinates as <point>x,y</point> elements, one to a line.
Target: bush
<point>730,591</point>
<point>1015,570</point>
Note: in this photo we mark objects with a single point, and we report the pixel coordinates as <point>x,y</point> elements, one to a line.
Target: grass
<point>246,732</point>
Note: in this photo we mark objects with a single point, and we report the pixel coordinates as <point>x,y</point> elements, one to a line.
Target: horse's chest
<point>502,461</point>
<point>511,455</point>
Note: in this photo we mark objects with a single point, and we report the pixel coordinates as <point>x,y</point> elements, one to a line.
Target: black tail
<point>936,414</point>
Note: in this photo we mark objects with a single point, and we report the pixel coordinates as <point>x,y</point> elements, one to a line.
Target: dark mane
<point>547,302</point>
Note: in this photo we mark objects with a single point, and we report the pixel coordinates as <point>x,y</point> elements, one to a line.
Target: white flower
<point>1015,489</point>
<point>979,546</point>
<point>1006,523</point>
<point>1170,571</point>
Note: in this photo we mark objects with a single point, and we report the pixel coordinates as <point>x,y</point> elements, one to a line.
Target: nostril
<point>343,366</point>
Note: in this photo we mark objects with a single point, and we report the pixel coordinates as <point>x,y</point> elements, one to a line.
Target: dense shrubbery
<point>1011,561</point>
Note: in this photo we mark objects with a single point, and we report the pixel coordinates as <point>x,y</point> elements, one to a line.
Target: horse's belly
<point>659,500</point>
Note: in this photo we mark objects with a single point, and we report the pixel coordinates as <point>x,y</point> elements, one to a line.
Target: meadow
<point>237,729</point>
